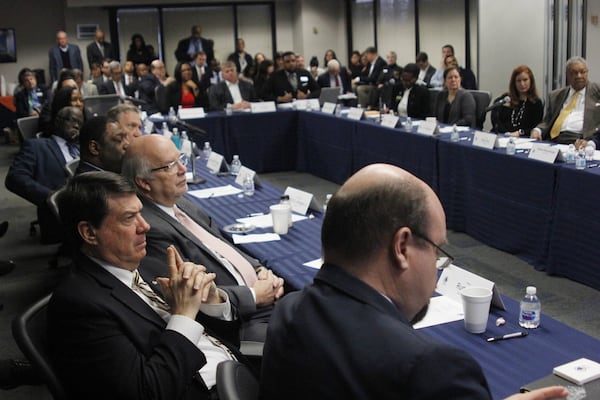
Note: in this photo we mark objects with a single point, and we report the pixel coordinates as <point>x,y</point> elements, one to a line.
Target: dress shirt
<point>199,71</point>
<point>371,68</point>
<point>243,62</point>
<point>64,149</point>
<point>119,88</point>
<point>100,47</point>
<point>190,329</point>
<point>403,104</point>
<point>422,73</point>
<point>195,46</point>
<point>574,121</point>
<point>234,90</point>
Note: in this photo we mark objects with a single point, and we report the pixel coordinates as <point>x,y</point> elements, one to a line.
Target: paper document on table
<point>218,191</point>
<point>255,238</point>
<point>448,129</point>
<point>266,221</point>
<point>314,263</point>
<point>442,309</point>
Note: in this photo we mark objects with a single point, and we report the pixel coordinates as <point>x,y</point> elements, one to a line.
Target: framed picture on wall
<point>8,45</point>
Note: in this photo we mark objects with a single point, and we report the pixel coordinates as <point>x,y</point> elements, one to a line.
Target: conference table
<point>507,365</point>
<point>543,213</point>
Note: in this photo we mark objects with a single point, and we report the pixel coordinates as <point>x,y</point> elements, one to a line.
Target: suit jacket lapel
<point>56,152</point>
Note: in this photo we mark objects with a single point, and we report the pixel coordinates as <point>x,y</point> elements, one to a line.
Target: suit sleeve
<point>22,177</point>
<point>466,110</point>
<point>216,98</point>
<point>52,65</point>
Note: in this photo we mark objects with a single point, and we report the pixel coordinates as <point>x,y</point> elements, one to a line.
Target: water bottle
<point>207,150</point>
<point>531,308</point>
<point>285,199</point>
<point>236,164</point>
<point>228,109</point>
<point>172,115</point>
<point>511,147</point>
<point>165,130</point>
<point>327,198</point>
<point>248,185</point>
<point>454,137</point>
<point>338,110</point>
<point>408,124</point>
<point>571,154</point>
<point>590,149</point>
<point>176,139</point>
<point>580,160</point>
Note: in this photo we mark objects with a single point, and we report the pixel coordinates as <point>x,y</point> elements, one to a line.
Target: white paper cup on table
<point>280,214</point>
<point>476,307</point>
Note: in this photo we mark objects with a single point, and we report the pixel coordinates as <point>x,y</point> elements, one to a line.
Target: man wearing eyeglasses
<point>153,163</point>
<point>349,335</point>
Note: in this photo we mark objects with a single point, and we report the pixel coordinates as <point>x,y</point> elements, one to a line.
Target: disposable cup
<point>476,308</point>
<point>280,214</point>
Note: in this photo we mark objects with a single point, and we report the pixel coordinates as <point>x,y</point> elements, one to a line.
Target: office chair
<point>99,105</point>
<point>29,126</point>
<point>482,101</point>
<point>235,381</point>
<point>29,331</point>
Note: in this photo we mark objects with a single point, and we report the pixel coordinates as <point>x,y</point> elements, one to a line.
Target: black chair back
<point>482,101</point>
<point>235,381</point>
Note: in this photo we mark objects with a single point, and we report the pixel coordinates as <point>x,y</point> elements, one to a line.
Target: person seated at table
<point>335,76</point>
<point>291,83</point>
<point>467,77</point>
<point>571,112</point>
<point>349,334</point>
<point>265,70</point>
<point>152,162</point>
<point>109,334</point>
<point>524,111</point>
<point>454,105</point>
<point>31,97</point>
<point>410,99</point>
<point>102,146</point>
<point>67,96</point>
<point>183,91</point>
<point>356,68</point>
<point>150,84</point>
<point>231,90</point>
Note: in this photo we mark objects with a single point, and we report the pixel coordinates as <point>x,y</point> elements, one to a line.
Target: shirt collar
<point>123,275</point>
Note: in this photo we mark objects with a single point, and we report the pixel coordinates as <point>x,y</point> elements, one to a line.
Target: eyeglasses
<point>172,166</point>
<point>441,253</point>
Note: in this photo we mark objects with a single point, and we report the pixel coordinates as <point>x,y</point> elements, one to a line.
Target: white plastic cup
<point>280,214</point>
<point>476,307</point>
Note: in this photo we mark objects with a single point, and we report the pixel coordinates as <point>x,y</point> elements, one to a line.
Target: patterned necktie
<point>563,116</point>
<point>224,252</point>
<point>146,290</point>
<point>73,149</point>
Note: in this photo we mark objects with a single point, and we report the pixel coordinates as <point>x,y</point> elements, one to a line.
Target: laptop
<point>329,95</point>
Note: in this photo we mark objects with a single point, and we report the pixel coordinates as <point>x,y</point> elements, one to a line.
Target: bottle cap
<point>235,157</point>
<point>531,290</point>
<point>329,195</point>
<point>284,197</point>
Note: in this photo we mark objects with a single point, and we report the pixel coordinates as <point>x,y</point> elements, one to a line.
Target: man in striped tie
<point>110,335</point>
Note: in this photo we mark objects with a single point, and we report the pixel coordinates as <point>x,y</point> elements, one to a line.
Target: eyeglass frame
<point>182,159</point>
<point>449,258</point>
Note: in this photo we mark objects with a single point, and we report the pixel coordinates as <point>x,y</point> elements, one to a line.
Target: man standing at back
<point>187,48</point>
<point>349,335</point>
<point>63,55</point>
<point>99,49</point>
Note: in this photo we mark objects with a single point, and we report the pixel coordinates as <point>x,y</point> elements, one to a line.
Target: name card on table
<point>301,201</point>
<point>484,140</point>
<point>244,172</point>
<point>454,279</point>
<point>305,104</point>
<point>389,120</point>
<point>191,113</point>
<point>544,152</point>
<point>216,163</point>
<point>355,113</point>
<point>328,108</point>
<point>427,127</point>
<point>262,107</point>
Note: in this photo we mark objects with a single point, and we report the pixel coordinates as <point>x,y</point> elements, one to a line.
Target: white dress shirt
<point>574,121</point>
<point>234,89</point>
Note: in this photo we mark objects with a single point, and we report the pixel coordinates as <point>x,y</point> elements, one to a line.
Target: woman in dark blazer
<point>183,92</point>
<point>525,109</point>
<point>455,106</point>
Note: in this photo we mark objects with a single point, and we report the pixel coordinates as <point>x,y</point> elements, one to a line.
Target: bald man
<point>349,335</point>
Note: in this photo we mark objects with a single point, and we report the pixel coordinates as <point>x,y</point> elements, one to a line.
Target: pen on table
<point>464,138</point>
<point>507,336</point>
<point>592,165</point>
<point>211,195</point>
<point>258,214</point>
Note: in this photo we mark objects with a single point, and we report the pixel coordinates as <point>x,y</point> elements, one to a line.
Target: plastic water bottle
<point>206,150</point>
<point>228,109</point>
<point>176,139</point>
<point>590,149</point>
<point>408,124</point>
<point>165,131</point>
<point>236,164</point>
<point>580,160</point>
<point>531,309</point>
<point>172,114</point>
<point>511,147</point>
<point>327,198</point>
<point>338,110</point>
<point>571,154</point>
<point>454,137</point>
<point>248,185</point>
<point>285,199</point>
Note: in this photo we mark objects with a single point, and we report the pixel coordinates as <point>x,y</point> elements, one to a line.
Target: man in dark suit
<point>31,98</point>
<point>99,49</point>
<point>336,76</point>
<point>410,99</point>
<point>116,83</point>
<point>572,114</point>
<point>39,168</point>
<point>111,336</point>
<point>103,144</point>
<point>367,82</point>
<point>63,55</point>
<point>201,72</point>
<point>188,47</point>
<point>290,82</point>
<point>241,59</point>
<point>231,90</point>
<point>150,83</point>
<point>349,334</point>
<point>151,161</point>
<point>426,70</point>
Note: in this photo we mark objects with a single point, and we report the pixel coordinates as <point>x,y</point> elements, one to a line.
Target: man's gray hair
<point>575,60</point>
<point>115,112</point>
<point>136,167</point>
<point>114,65</point>
<point>333,63</point>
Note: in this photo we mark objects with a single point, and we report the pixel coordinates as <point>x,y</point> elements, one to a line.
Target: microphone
<point>497,104</point>
<point>188,127</point>
<point>133,100</point>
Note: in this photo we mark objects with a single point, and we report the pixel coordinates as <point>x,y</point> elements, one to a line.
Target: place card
<point>484,140</point>
<point>301,201</point>
<point>427,127</point>
<point>263,107</point>
<point>355,113</point>
<point>191,113</point>
<point>389,120</point>
<point>216,163</point>
<point>244,172</point>
<point>580,371</point>
<point>454,279</point>
<point>544,153</point>
<point>328,108</point>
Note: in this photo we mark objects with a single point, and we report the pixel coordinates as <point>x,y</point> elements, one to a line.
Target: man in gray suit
<point>63,55</point>
<point>231,90</point>
<point>572,114</point>
<point>153,163</point>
